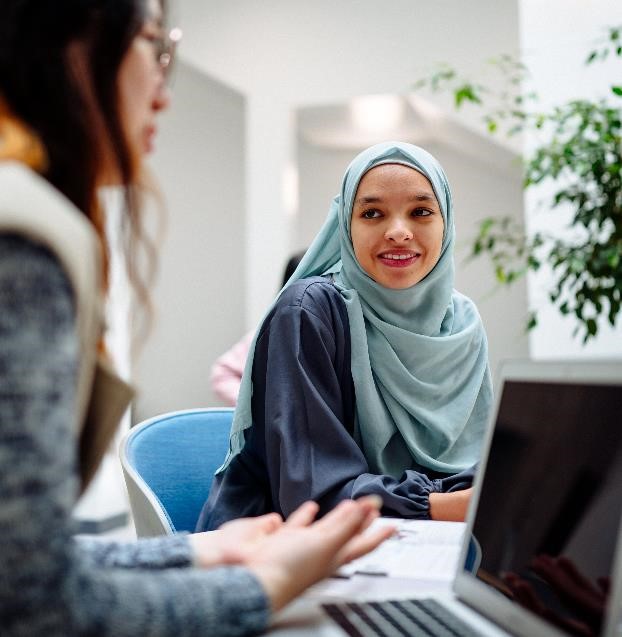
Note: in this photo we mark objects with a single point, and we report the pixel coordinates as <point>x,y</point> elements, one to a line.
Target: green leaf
<point>576,264</point>
<point>613,311</point>
<point>485,226</point>
<point>533,263</point>
<point>582,160</point>
<point>532,321</point>
<point>466,93</point>
<point>591,326</point>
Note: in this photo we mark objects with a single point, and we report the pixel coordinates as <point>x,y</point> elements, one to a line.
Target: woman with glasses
<point>81,86</point>
<point>369,374</point>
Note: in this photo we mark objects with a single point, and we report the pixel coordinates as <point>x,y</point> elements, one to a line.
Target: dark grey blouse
<point>301,446</point>
<point>50,584</point>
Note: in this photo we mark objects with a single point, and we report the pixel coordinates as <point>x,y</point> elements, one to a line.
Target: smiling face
<point>142,90</point>
<point>397,226</point>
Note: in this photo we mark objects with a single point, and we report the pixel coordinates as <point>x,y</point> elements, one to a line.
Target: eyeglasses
<point>165,51</point>
<point>164,46</point>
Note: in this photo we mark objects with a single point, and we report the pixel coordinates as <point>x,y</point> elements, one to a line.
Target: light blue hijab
<point>419,355</point>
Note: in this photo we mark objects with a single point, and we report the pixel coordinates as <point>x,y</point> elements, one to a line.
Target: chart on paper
<point>421,549</point>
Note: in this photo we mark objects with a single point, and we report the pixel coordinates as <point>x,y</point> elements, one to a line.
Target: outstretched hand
<point>288,557</point>
<point>303,552</point>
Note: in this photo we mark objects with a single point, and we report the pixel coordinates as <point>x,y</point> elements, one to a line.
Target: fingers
<point>351,516</point>
<point>562,574</point>
<point>363,544</point>
<point>269,522</point>
<point>346,520</point>
<point>568,567</point>
<point>262,524</point>
<point>342,528</point>
<point>372,503</point>
<point>373,500</point>
<point>303,515</point>
<point>371,516</point>
<point>524,593</point>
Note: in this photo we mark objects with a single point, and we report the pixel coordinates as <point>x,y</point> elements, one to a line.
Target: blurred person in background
<point>227,371</point>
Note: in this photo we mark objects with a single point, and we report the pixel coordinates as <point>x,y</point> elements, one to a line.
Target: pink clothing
<point>228,369</point>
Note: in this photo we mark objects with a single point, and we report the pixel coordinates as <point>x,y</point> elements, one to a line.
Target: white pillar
<point>269,144</point>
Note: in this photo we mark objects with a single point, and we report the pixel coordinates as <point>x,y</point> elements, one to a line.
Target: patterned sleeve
<point>149,553</point>
<point>48,586</point>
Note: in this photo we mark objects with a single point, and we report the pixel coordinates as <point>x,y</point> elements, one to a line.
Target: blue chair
<point>168,464</point>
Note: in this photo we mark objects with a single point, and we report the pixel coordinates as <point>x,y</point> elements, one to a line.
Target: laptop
<point>541,555</point>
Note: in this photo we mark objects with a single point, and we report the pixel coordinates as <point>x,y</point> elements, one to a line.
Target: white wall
<point>283,54</point>
<point>556,37</point>
<point>199,293</point>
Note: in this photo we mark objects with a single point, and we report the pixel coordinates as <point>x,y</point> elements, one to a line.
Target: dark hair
<point>292,264</point>
<point>73,109</point>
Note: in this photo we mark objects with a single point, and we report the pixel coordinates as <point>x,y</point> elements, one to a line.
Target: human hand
<point>452,506</point>
<point>228,545</point>
<point>302,552</point>
<point>572,586</point>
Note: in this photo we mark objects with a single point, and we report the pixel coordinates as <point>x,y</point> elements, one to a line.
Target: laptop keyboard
<point>411,618</point>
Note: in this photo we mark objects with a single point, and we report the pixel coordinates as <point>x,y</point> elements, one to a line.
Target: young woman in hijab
<point>81,85</point>
<point>369,374</point>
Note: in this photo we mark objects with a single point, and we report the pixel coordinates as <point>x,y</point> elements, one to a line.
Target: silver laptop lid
<point>543,534</point>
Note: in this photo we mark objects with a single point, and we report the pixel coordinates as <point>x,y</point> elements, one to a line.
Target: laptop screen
<point>547,522</point>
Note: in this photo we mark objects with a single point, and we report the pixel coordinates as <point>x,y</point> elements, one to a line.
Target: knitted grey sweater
<point>50,584</point>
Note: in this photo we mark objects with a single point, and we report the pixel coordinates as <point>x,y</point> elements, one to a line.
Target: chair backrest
<point>169,462</point>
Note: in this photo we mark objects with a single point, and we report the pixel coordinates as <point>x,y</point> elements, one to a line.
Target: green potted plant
<point>579,152</point>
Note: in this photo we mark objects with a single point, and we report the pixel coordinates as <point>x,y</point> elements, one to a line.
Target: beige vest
<point>31,207</point>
